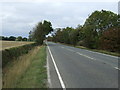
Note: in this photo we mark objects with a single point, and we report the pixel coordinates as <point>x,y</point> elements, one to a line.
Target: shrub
<point>13,53</point>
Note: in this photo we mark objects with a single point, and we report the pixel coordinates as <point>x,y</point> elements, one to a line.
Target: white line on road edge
<point>102,54</point>
<point>117,68</point>
<point>58,73</point>
<point>48,74</point>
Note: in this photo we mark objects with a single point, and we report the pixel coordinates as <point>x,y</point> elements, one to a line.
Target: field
<point>10,44</point>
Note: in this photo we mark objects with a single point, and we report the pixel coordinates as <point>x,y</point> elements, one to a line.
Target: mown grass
<point>28,71</point>
<point>35,76</point>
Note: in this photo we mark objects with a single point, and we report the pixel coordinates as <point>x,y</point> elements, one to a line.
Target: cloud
<point>59,1</point>
<point>18,18</point>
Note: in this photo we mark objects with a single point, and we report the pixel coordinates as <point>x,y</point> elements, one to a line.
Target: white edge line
<point>102,54</point>
<point>48,74</point>
<point>58,73</point>
<point>99,53</point>
<point>117,68</point>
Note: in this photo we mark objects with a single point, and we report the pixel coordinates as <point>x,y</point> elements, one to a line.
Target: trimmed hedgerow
<point>13,53</point>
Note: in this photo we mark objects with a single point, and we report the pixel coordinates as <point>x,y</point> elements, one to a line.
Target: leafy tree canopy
<point>41,29</point>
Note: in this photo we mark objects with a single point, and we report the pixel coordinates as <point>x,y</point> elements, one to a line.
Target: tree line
<point>38,34</point>
<point>13,38</point>
<point>101,30</point>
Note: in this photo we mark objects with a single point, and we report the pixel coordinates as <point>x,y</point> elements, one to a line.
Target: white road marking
<point>48,74</point>
<point>117,68</point>
<point>62,47</point>
<point>86,56</point>
<point>102,54</point>
<point>81,54</point>
<point>70,50</point>
<point>91,57</point>
<point>58,73</point>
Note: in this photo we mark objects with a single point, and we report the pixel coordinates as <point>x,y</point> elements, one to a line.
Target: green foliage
<point>36,72</point>
<point>96,32</point>
<point>24,39</point>
<point>12,38</point>
<point>10,54</point>
<point>19,38</point>
<point>41,30</point>
<point>30,36</point>
<point>90,37</point>
<point>74,36</point>
<point>101,20</point>
<point>67,35</point>
<point>96,24</point>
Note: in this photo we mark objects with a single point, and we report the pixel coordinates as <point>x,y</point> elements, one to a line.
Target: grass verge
<point>28,71</point>
<point>35,76</point>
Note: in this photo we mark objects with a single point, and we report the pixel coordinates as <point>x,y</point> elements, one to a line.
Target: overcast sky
<point>18,18</point>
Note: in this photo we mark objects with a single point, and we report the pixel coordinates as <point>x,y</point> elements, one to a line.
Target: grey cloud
<point>20,18</point>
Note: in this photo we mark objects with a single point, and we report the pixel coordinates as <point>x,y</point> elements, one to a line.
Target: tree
<point>110,40</point>
<point>63,35</point>
<point>66,35</point>
<point>30,36</point>
<point>24,39</point>
<point>5,38</point>
<point>91,37</point>
<point>100,31</point>
<point>96,24</point>
<point>41,30</point>
<point>74,36</point>
<point>19,38</point>
<point>12,38</point>
<point>102,20</point>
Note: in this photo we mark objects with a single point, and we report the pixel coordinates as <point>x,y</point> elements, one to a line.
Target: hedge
<point>13,53</point>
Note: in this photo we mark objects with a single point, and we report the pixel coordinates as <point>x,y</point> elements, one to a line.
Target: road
<point>71,67</point>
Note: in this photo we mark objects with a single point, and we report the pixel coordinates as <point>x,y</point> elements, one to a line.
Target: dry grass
<point>18,67</point>
<point>36,74</point>
<point>10,44</point>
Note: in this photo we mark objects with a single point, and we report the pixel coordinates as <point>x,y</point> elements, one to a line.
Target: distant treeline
<point>12,38</point>
<point>101,30</point>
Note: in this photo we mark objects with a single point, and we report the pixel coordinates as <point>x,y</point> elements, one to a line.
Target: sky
<point>17,18</point>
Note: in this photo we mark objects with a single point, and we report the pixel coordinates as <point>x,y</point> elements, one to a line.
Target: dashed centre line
<point>80,54</point>
<point>88,57</point>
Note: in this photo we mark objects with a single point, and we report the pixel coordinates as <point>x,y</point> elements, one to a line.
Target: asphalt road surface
<point>70,67</point>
